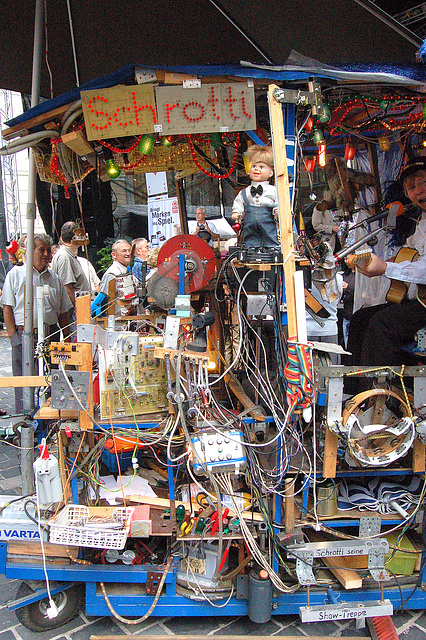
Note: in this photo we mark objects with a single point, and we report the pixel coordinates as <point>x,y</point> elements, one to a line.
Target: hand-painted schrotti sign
<point>130,111</point>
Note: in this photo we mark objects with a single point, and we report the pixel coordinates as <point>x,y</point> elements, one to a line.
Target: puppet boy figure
<point>256,205</point>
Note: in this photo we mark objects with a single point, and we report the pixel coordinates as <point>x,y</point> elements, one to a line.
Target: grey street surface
<point>410,625</point>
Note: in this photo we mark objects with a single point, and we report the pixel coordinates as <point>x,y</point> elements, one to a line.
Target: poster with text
<point>163,220</point>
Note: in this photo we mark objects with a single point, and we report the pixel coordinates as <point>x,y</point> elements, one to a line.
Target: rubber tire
<point>32,616</point>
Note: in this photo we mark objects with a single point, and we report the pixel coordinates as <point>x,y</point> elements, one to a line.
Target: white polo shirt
<point>54,305</point>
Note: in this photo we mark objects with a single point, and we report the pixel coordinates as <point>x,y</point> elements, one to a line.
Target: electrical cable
<point>152,607</point>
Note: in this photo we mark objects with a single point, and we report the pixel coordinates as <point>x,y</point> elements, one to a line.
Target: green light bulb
<point>112,169</point>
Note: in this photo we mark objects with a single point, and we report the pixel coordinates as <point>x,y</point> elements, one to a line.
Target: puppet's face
<point>415,188</point>
<point>260,172</point>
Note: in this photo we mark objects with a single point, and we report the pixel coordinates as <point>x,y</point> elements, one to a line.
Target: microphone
<point>393,210</point>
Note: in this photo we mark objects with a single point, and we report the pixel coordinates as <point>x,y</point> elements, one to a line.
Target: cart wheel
<point>33,616</point>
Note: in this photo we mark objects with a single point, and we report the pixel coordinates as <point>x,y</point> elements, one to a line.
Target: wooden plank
<point>63,470</point>
<point>347,578</point>
<point>284,208</point>
<point>289,505</point>
<point>341,170</point>
<point>23,381</point>
<point>164,503</point>
<point>17,129</point>
<point>46,412</point>
<point>222,637</point>
<point>330,454</point>
<point>33,548</point>
<point>236,388</point>
<point>84,317</point>
<point>374,166</point>
<point>419,456</point>
<point>76,141</point>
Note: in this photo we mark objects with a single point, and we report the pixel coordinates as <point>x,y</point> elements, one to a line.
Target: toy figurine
<point>256,205</point>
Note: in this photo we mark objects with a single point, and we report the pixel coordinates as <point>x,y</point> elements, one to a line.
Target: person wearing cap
<point>377,334</point>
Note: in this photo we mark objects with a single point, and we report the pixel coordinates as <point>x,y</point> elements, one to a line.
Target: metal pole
<point>27,435</point>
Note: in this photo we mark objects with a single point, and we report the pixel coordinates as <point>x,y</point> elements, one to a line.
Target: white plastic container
<point>47,478</point>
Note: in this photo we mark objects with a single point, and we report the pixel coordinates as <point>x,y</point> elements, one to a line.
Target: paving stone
<point>8,589</point>
<point>102,626</point>
<point>154,630</point>
<point>67,628</point>
<point>7,635</point>
<point>319,628</point>
<point>285,621</point>
<point>353,631</point>
<point>8,618</point>
<point>420,621</point>
<point>144,628</point>
<point>9,472</point>
<point>194,626</point>
<point>414,633</point>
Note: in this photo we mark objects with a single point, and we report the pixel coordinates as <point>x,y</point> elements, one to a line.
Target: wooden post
<point>284,208</point>
<point>83,317</point>
<point>289,505</point>
<point>330,454</point>
<point>419,452</point>
<point>374,166</point>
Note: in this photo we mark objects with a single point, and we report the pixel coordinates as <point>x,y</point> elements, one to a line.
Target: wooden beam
<point>23,127</point>
<point>284,208</point>
<point>330,454</point>
<point>236,388</point>
<point>419,455</point>
<point>84,317</point>
<point>374,166</point>
<point>23,381</point>
<point>289,505</point>
<point>348,579</point>
<point>341,170</point>
<point>164,503</point>
<point>233,636</point>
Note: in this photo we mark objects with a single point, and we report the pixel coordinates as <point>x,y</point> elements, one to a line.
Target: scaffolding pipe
<point>27,456</point>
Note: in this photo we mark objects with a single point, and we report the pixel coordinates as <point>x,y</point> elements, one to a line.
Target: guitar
<point>398,289</point>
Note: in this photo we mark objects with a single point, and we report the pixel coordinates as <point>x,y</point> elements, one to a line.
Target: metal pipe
<point>391,22</point>
<point>28,334</point>
<point>345,252</point>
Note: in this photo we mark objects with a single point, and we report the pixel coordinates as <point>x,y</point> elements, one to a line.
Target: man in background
<point>203,229</point>
<point>66,265</point>
<point>55,306</point>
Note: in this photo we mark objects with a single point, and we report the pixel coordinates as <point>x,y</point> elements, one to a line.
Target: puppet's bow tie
<point>256,191</point>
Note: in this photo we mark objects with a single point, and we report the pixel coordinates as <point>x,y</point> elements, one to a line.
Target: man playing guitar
<point>376,334</point>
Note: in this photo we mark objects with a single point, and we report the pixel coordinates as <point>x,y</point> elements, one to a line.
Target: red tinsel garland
<point>209,173</point>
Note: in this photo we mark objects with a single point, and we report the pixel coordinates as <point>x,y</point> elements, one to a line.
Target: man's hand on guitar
<point>375,268</point>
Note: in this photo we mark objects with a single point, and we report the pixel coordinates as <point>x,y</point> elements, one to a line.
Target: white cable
<point>52,606</point>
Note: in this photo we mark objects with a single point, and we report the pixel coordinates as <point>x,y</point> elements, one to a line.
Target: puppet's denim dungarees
<point>260,228</point>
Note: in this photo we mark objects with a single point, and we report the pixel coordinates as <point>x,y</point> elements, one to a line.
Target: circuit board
<point>133,384</point>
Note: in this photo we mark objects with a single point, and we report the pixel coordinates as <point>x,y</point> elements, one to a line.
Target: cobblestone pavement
<point>410,625</point>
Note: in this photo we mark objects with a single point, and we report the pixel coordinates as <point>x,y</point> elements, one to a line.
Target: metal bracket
<point>334,402</point>
<point>312,97</point>
<point>153,579</point>
<point>306,553</point>
<point>369,526</point>
<point>129,341</point>
<point>192,83</point>
<point>304,571</point>
<point>62,398</point>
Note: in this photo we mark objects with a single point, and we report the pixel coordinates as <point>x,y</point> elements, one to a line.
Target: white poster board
<point>163,220</point>
<point>156,183</point>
